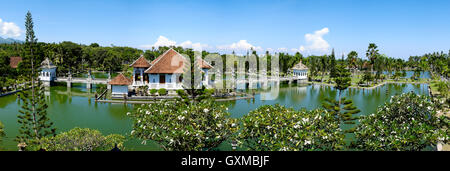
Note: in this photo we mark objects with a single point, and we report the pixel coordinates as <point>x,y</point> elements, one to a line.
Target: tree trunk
<point>33,100</point>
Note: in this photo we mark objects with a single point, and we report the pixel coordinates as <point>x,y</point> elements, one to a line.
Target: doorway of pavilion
<point>146,79</point>
<point>162,78</point>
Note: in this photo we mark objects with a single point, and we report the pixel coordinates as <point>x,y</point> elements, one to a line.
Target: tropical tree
<point>379,66</point>
<point>277,128</point>
<point>342,78</point>
<point>372,54</point>
<point>332,66</point>
<point>192,76</point>
<point>342,108</point>
<point>33,113</point>
<point>80,139</point>
<point>408,122</point>
<point>443,88</point>
<point>367,77</point>
<point>323,66</point>
<point>180,126</point>
<point>352,59</point>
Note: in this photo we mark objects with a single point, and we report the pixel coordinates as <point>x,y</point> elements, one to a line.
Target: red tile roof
<point>141,62</point>
<point>14,61</point>
<point>171,62</point>
<point>120,80</point>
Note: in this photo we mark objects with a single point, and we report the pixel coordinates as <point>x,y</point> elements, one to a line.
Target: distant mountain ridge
<point>9,40</point>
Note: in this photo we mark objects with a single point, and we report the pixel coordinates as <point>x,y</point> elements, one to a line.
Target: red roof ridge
<point>203,63</point>
<point>120,80</point>
<point>141,62</point>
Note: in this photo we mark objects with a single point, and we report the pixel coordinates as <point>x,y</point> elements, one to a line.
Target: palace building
<point>164,72</point>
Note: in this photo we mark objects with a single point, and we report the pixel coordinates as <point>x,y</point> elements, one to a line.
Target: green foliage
<point>287,61</point>
<point>80,139</point>
<point>443,88</point>
<point>352,58</point>
<point>333,70</point>
<point>192,78</point>
<point>33,116</point>
<point>367,77</point>
<point>407,123</point>
<point>2,131</point>
<point>179,126</point>
<point>162,92</point>
<point>153,91</point>
<point>274,128</point>
<point>372,53</point>
<point>343,109</point>
<point>342,77</point>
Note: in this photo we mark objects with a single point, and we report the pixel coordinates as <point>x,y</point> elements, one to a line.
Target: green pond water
<point>75,107</point>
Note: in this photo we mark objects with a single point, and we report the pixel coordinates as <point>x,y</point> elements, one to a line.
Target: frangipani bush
<point>79,139</point>
<point>407,123</point>
<point>183,126</point>
<point>274,128</point>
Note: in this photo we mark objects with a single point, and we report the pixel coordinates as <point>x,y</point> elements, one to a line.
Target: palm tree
<point>352,58</point>
<point>372,54</point>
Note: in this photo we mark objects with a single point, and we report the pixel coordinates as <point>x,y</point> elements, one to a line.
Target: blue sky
<point>399,28</point>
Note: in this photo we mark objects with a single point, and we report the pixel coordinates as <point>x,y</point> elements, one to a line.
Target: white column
<point>142,77</point>
<point>134,76</point>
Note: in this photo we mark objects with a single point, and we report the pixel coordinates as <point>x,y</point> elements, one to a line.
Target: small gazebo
<point>119,85</point>
<point>48,72</point>
<point>300,70</point>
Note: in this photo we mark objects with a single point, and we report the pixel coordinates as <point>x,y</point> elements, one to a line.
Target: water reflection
<point>312,96</point>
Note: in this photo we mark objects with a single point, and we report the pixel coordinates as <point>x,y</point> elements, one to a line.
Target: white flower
<point>147,112</point>
<point>233,125</point>
<point>307,142</point>
<point>305,119</point>
<point>132,132</point>
<point>206,110</point>
<point>284,149</point>
<point>429,108</point>
<point>128,113</point>
<point>180,118</point>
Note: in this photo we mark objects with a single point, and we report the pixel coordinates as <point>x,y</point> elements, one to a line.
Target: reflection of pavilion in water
<point>69,93</point>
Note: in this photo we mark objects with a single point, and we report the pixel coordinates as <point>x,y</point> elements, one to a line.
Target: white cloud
<point>194,46</point>
<point>164,41</point>
<point>282,49</point>
<point>161,41</point>
<point>240,46</point>
<point>315,42</point>
<point>9,29</point>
